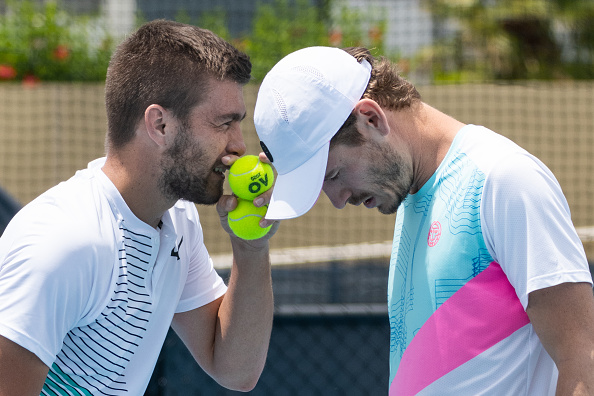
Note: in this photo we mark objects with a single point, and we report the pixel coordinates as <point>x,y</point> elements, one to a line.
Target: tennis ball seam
<point>246,172</point>
<point>245,216</point>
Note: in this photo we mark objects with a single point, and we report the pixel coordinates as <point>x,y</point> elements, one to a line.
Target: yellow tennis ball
<point>245,218</point>
<point>250,177</point>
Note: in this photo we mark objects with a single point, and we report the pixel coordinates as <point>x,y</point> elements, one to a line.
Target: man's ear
<point>155,118</point>
<point>371,116</point>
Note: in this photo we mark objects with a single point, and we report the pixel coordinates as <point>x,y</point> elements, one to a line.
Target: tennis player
<point>94,271</point>
<point>489,291</point>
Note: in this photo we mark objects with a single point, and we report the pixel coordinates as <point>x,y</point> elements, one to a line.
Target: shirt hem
<point>200,301</point>
<point>554,279</point>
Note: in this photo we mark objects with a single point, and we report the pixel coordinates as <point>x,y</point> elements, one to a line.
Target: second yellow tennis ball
<point>245,218</point>
<point>250,177</point>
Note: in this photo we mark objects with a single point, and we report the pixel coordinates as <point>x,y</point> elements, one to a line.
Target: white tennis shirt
<point>489,227</point>
<point>91,290</point>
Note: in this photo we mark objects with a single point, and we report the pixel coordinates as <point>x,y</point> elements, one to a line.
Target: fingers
<point>226,204</point>
<point>263,199</point>
<point>228,160</point>
<point>229,202</point>
<point>264,158</point>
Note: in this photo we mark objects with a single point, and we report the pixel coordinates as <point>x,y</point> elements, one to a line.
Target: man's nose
<point>338,196</point>
<point>236,144</point>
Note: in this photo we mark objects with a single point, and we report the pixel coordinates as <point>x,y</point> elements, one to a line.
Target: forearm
<point>577,378</point>
<point>563,319</point>
<point>245,316</point>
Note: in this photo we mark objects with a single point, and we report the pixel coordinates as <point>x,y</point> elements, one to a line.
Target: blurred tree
<point>44,42</point>
<point>577,16</point>
<point>284,26</point>
<point>280,28</point>
<point>511,39</point>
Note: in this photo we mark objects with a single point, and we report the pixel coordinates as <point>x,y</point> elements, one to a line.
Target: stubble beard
<point>185,174</point>
<point>392,174</point>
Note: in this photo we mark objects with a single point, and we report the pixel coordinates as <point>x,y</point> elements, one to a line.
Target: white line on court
<point>317,254</point>
<point>359,251</point>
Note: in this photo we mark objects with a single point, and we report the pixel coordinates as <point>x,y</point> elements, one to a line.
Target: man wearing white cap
<point>489,290</point>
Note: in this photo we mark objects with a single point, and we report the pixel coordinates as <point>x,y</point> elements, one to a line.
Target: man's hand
<point>229,202</point>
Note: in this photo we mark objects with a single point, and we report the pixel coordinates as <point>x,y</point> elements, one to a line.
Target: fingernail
<point>258,201</point>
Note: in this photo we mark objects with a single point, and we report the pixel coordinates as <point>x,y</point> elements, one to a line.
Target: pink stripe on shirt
<point>483,312</point>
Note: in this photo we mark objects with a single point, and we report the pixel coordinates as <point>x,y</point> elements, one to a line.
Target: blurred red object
<point>31,81</point>
<point>7,72</point>
<point>61,52</point>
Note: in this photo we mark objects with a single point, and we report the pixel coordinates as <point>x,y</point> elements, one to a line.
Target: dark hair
<point>166,63</point>
<point>386,87</point>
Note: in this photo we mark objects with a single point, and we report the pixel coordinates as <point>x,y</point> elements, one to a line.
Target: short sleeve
<point>527,226</point>
<point>203,283</point>
<point>45,284</point>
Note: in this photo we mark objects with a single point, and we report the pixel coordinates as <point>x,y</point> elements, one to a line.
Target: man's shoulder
<point>486,145</point>
<point>72,215</point>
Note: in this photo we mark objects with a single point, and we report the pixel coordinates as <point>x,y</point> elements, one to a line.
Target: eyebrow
<point>231,117</point>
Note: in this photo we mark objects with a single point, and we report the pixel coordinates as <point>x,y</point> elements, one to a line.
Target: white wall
<point>120,16</point>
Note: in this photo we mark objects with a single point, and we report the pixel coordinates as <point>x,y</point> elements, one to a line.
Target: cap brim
<point>297,191</point>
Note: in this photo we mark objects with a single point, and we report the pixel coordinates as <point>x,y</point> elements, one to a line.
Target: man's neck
<point>432,134</point>
<point>138,188</point>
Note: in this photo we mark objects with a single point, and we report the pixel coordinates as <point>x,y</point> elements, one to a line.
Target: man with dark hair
<point>489,290</point>
<point>94,271</point>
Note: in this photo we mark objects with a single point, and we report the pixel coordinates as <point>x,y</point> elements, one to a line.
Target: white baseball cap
<point>302,102</point>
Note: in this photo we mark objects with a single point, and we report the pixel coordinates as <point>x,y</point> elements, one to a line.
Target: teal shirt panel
<point>438,246</point>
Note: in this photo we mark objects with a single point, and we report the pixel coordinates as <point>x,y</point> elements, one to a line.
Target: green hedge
<point>46,43</point>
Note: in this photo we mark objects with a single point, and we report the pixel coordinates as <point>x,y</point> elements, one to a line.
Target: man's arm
<point>563,319</point>
<point>21,372</point>
<point>229,337</point>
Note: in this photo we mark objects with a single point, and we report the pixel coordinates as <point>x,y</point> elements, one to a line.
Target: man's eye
<point>226,125</point>
<point>334,176</point>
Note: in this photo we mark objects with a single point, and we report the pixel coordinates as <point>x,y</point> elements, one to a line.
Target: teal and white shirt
<point>91,290</point>
<point>488,228</point>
